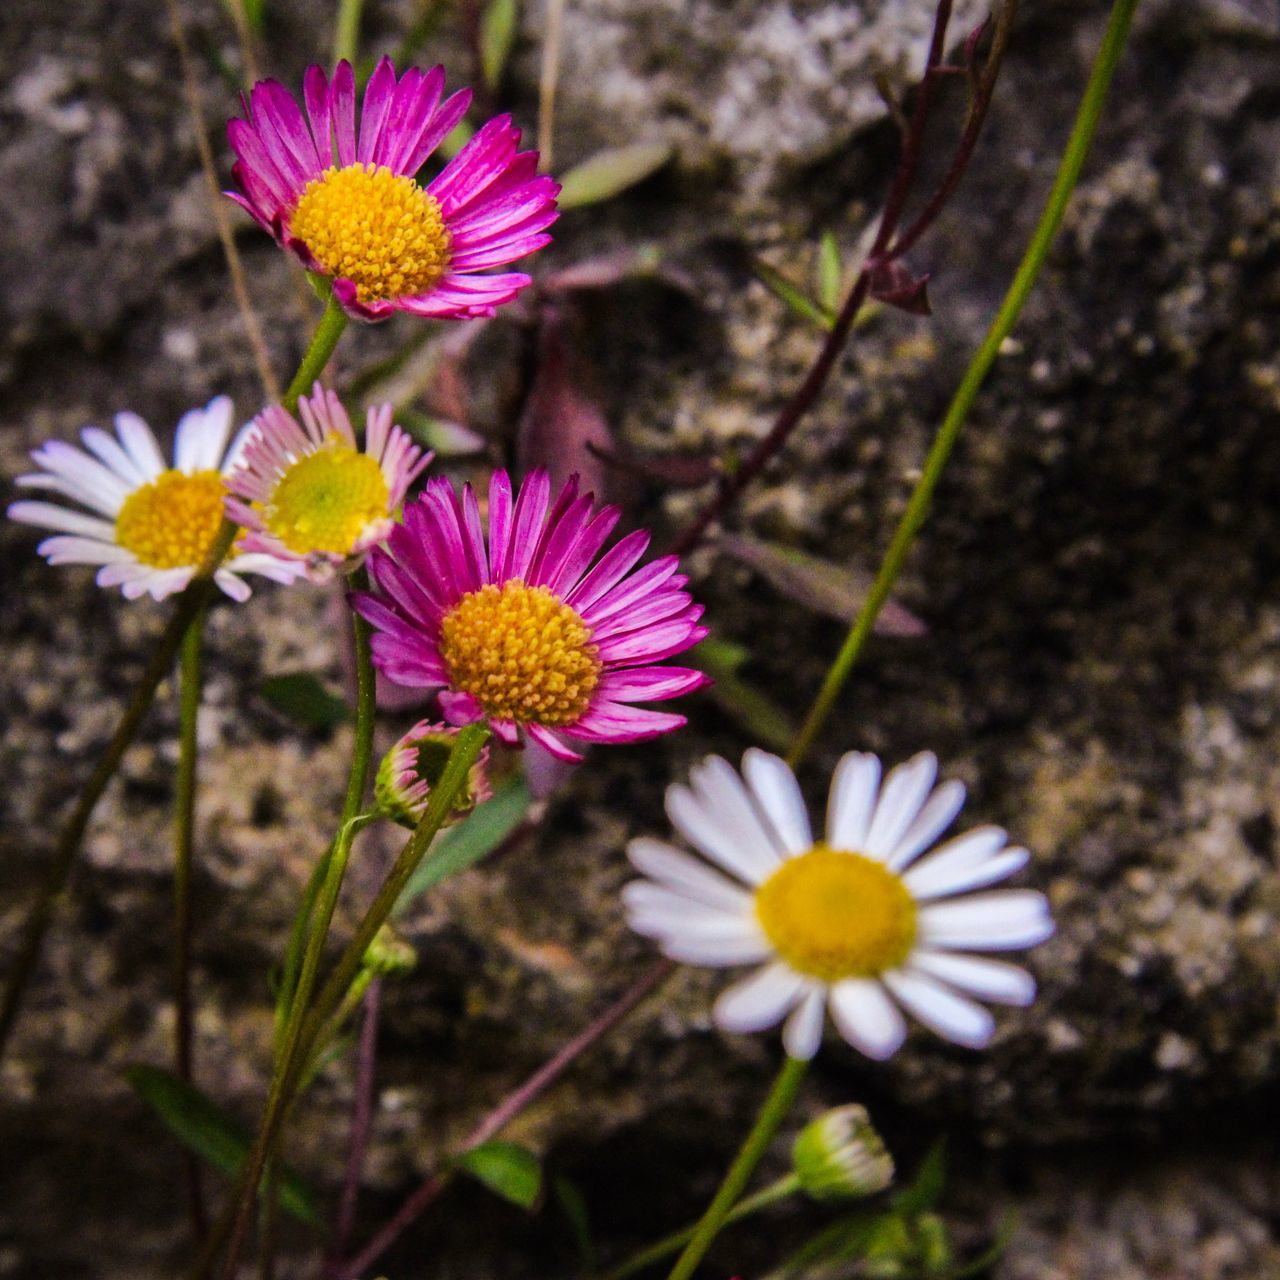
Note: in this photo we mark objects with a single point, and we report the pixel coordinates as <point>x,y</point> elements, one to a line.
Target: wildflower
<point>154,524</point>
<point>305,492</point>
<point>411,770</point>
<point>840,1156</point>
<point>523,633</point>
<point>852,922</point>
<point>351,209</point>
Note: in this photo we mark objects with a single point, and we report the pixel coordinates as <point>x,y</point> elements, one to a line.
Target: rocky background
<point>1098,585</point>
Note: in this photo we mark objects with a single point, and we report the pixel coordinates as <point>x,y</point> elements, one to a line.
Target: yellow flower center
<point>327,500</point>
<point>171,522</point>
<point>521,653</point>
<point>832,915</point>
<point>384,233</point>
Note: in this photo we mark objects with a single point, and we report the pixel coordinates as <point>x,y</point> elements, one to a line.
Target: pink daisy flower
<point>351,209</point>
<point>523,632</point>
<point>305,492</point>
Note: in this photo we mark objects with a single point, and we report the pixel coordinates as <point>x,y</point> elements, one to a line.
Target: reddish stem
<point>504,1113</point>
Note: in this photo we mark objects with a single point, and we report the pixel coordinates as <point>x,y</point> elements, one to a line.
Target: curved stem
<point>1028,270</point>
<point>774,1111</point>
<point>346,36</point>
<point>785,1186</point>
<point>332,325</point>
<point>184,842</point>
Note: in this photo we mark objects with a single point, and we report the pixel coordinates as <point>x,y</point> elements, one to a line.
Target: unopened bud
<point>412,769</point>
<point>389,954</point>
<point>840,1156</point>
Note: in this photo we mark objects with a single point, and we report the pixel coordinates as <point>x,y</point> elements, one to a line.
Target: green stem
<point>1028,270</point>
<point>347,33</point>
<point>331,327</point>
<point>785,1186</point>
<point>184,843</point>
<point>774,1111</point>
<point>312,1023</point>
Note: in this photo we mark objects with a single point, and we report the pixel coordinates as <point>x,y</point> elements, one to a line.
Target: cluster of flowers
<point>515,612</point>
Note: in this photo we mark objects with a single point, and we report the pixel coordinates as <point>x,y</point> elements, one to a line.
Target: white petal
<point>235,588</point>
<point>720,948</point>
<point>140,444</point>
<point>109,450</point>
<point>79,477</point>
<point>760,1001</point>
<point>932,879</point>
<point>901,797</point>
<point>778,795</point>
<point>48,515</point>
<point>852,800</point>
<point>722,824</point>
<point>1006,920</point>
<point>65,549</point>
<point>937,815</point>
<point>989,979</point>
<point>213,438</point>
<point>655,902</point>
<point>952,1016</point>
<point>802,1035</point>
<point>678,870</point>
<point>866,1017</point>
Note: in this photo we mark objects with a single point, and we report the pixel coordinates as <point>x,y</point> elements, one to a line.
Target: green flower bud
<point>840,1156</point>
<point>411,770</point>
<point>389,954</point>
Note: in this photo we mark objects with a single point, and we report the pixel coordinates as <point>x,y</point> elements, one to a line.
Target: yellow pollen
<point>171,522</point>
<point>521,653</point>
<point>384,233</point>
<point>832,915</point>
<point>327,500</point>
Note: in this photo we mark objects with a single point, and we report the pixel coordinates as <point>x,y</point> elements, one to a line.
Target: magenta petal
<point>477,165</point>
<point>315,94</point>
<point>650,684</point>
<point>642,583</point>
<point>507,731</point>
<point>460,708</point>
<point>342,112</point>
<point>565,500</point>
<point>551,744</point>
<point>413,121</point>
<point>614,565</point>
<point>473,536</point>
<point>399,111</point>
<point>613,722</point>
<point>560,577</point>
<point>564,533</point>
<point>499,525</point>
<point>643,613</point>
<point>377,104</point>
<point>650,644</point>
<point>531,507</point>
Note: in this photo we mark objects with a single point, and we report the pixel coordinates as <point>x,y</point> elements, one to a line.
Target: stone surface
<point>1098,579</point>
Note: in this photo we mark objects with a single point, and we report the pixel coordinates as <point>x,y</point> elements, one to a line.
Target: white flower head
<point>858,922</point>
<point>151,525</point>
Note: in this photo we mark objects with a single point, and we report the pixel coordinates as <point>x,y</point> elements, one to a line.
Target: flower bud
<point>840,1156</point>
<point>389,955</point>
<point>413,768</point>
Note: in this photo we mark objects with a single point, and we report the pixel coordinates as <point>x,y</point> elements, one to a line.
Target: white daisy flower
<point>152,525</point>
<point>853,922</point>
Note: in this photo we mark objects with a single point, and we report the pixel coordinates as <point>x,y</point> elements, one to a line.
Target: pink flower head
<point>305,492</point>
<point>412,770</point>
<point>351,208</point>
<point>525,633</point>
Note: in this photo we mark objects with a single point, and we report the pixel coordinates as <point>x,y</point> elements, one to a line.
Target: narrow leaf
<point>199,1123</point>
<point>760,716</point>
<point>925,1189</point>
<point>497,38</point>
<point>830,272</point>
<point>476,836</point>
<point>574,1207</point>
<point>795,298</point>
<point>511,1171</point>
<point>610,172</point>
<point>817,584</point>
<point>300,696</point>
<point>448,439</point>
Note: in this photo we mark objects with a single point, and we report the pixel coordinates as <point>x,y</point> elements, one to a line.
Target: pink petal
<point>613,566</point>
<point>650,684</point>
<point>531,507</point>
<point>551,744</point>
<point>342,112</point>
<point>499,525</point>
<point>377,105</point>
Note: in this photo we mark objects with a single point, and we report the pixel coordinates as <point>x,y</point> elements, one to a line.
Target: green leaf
<point>841,1241</point>
<point>300,696</point>
<point>830,273</point>
<point>476,836</point>
<point>573,1205</point>
<point>199,1123</point>
<point>610,172</point>
<point>511,1171</point>
<point>925,1189</point>
<point>447,439</point>
<point>763,719</point>
<point>792,295</point>
<point>498,30</point>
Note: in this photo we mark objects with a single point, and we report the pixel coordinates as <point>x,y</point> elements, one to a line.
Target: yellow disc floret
<point>832,915</point>
<point>521,653</point>
<point>171,522</point>
<point>379,230</point>
<point>328,500</point>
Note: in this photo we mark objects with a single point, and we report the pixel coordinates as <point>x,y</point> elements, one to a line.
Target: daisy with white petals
<point>152,525</point>
<point>860,922</point>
